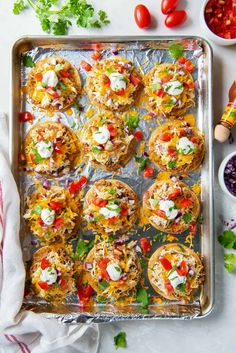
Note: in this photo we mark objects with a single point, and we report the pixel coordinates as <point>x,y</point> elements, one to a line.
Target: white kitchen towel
<point>25,331</point>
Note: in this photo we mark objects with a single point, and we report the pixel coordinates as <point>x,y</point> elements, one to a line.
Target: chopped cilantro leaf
<point>176,50</point>
<point>172,164</point>
<point>82,248</point>
<point>142,297</point>
<point>229,267</point>
<point>160,237</point>
<point>228,239</point>
<point>120,340</point>
<point>96,150</point>
<point>37,210</point>
<point>103,285</point>
<point>187,217</point>
<point>101,299</point>
<point>28,61</point>
<point>132,122</point>
<point>142,162</point>
<point>182,287</point>
<point>37,157</point>
<point>200,219</point>
<point>19,6</point>
<point>230,257</point>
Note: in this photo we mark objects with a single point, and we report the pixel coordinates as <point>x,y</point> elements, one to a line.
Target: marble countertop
<point>216,333</point>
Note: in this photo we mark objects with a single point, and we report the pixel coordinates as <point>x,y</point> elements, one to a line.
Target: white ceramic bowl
<point>221,175</point>
<point>211,35</point>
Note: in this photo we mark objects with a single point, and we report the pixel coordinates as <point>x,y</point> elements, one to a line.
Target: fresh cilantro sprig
<point>120,340</point>
<point>176,50</point>
<point>60,20</point>
<point>82,248</point>
<point>228,240</point>
<point>142,297</point>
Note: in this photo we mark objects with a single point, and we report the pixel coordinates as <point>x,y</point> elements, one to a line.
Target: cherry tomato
<point>185,203</point>
<point>168,6</point>
<point>44,263</point>
<point>165,136</point>
<point>169,287</point>
<point>99,202</point>
<point>43,285</point>
<point>96,55</point>
<point>138,135</point>
<point>86,66</point>
<point>124,210</point>
<point>121,92</point>
<point>58,223</point>
<point>142,16</point>
<point>55,205</point>
<point>25,116</point>
<point>148,172</point>
<point>38,76</point>
<point>174,194</point>
<point>145,245</point>
<point>160,93</point>
<point>165,263</point>
<point>175,18</point>
<point>105,80</point>
<point>193,228</point>
<point>112,130</point>
<point>182,269</point>
<point>160,213</point>
<point>52,93</point>
<point>75,186</point>
<point>134,80</point>
<point>85,293</point>
<point>64,73</point>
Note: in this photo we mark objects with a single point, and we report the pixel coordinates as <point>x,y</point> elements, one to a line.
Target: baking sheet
<point>144,52</point>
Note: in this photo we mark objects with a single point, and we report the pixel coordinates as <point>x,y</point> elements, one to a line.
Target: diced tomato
<point>194,139</point>
<point>174,194</point>
<point>113,219</point>
<point>124,210</point>
<point>85,293</point>
<point>165,263</point>
<point>134,80</point>
<point>57,148</point>
<point>43,285</point>
<point>160,93</point>
<point>44,263</point>
<point>185,203</point>
<point>121,92</point>
<point>96,55</point>
<point>86,66</point>
<point>182,269</point>
<point>52,93</point>
<point>145,245</point>
<point>63,283</point>
<point>160,213</point>
<point>148,172</point>
<point>105,80</point>
<point>25,116</point>
<point>38,76</point>
<point>40,136</point>
<point>165,136</point>
<point>190,84</point>
<point>97,46</point>
<point>64,73</point>
<point>169,287</point>
<point>75,186</point>
<point>119,68</point>
<point>99,202</point>
<point>138,135</point>
<point>171,151</point>
<point>55,205</point>
<point>182,60</point>
<point>103,266</point>
<point>166,78</point>
<point>112,130</point>
<point>189,66</point>
<point>182,133</point>
<point>58,223</point>
<point>193,228</point>
<point>40,222</point>
<point>121,282</point>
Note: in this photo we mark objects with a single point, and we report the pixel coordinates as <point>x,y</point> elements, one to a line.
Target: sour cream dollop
<point>110,212</point>
<point>176,279</point>
<point>169,208</point>
<point>114,271</point>
<point>102,135</point>
<point>48,216</point>
<point>50,79</point>
<point>173,87</point>
<point>45,149</point>
<point>185,146</point>
<point>49,275</point>
<point>117,81</point>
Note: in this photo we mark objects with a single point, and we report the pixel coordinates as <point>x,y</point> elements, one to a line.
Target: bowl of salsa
<point>218,19</point>
<point>227,175</point>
